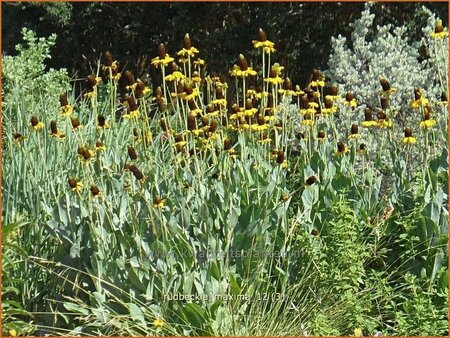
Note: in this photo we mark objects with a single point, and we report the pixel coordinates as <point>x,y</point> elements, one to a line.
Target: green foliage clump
<point>26,76</point>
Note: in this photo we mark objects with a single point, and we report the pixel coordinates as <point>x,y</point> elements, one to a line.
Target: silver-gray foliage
<point>385,52</point>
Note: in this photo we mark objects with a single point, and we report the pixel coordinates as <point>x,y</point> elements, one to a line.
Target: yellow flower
<point>439,35</point>
<point>317,79</point>
<point>307,122</point>
<point>100,146</point>
<point>269,118</point>
<point>66,110</point>
<point>383,124</point>
<point>39,126</point>
<point>192,95</point>
<point>439,32</point>
<point>220,102</point>
<point>196,78</point>
<point>387,90</point>
<point>243,125</point>
<point>75,185</point>
<point>238,112</point>
<point>90,94</point>
<point>251,93</point>
<point>421,102</point>
<point>277,68</point>
<point>132,114</point>
<point>159,203</point>
<point>409,140</point>
<point>250,112</point>
<point>235,71</point>
<point>427,123</point>
<point>36,124</point>
<point>358,332</point>
<point>298,91</point>
<point>287,92</point>
<point>58,134</point>
<point>158,322</point>
<point>188,52</point>
<point>261,95</point>
<point>195,112</point>
<point>85,154</point>
<point>275,80</point>
<point>332,97</point>
<point>351,103</point>
<point>196,132</point>
<point>368,124</point>
<point>12,333</point>
<point>318,83</point>
<point>262,42</point>
<point>259,127</point>
<point>361,149</point>
<point>342,149</point>
<point>249,71</point>
<point>176,75</point>
<point>199,62</point>
<point>310,110</point>
<point>354,133</point>
<point>350,100</point>
<point>327,111</point>
<point>157,61</point>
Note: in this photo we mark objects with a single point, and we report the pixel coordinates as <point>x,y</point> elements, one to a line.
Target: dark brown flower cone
<point>187,42</point>
<point>132,153</point>
<point>63,100</point>
<point>129,78</point>
<point>161,51</point>
<point>385,85</point>
<point>226,144</point>
<point>368,114</point>
<point>72,182</point>
<point>53,127</point>
<point>334,90</point>
<point>408,132</point>
<point>95,191</point>
<point>280,156</point>
<point>34,121</point>
<point>136,172</point>
<point>417,94</point>
<point>107,59</point>
<point>315,75</point>
<point>213,126</point>
<point>311,180</point>
<point>384,103</point>
<point>75,122</point>
<point>262,35</point>
<point>438,28</point>
<point>191,123</point>
<point>101,120</point>
<point>243,64</point>
<point>132,103</point>
<point>91,82</point>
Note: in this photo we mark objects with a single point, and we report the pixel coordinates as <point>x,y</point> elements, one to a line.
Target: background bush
<point>132,33</point>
